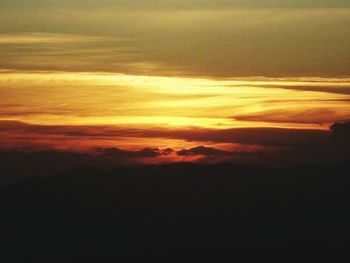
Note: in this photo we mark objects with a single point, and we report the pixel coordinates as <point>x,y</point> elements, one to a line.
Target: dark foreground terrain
<point>89,214</point>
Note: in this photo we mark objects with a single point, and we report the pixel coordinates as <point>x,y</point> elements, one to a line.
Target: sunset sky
<point>164,80</point>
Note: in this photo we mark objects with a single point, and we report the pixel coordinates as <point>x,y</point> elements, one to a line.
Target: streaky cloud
<point>178,4</point>
<point>144,153</point>
<point>202,150</point>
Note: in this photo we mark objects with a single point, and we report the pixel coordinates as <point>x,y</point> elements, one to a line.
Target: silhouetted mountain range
<point>87,213</point>
<point>73,207</point>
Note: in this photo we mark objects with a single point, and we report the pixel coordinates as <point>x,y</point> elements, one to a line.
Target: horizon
<point>173,127</point>
<point>131,75</point>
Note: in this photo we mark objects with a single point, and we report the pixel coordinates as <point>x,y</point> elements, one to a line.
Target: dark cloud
<point>300,100</point>
<point>144,153</point>
<point>341,131</point>
<point>307,116</point>
<point>11,125</point>
<point>202,150</point>
<point>250,136</point>
<point>340,89</point>
<point>285,148</point>
<point>257,136</point>
<point>275,146</point>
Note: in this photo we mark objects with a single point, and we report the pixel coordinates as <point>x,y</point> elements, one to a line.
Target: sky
<point>139,78</point>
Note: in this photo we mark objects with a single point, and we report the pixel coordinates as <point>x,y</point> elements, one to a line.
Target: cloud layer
<point>268,147</point>
<point>169,4</point>
<point>202,80</point>
<point>206,38</point>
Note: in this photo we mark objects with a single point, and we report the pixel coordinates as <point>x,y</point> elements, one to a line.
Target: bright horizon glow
<point>59,98</point>
<point>240,76</point>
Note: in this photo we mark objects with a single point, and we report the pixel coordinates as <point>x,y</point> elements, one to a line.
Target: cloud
<point>46,38</point>
<point>57,51</point>
<point>250,136</point>
<point>170,38</point>
<point>336,88</point>
<point>144,153</point>
<point>281,147</point>
<point>202,150</point>
<point>307,116</point>
<point>173,5</point>
<point>341,131</point>
<point>266,146</point>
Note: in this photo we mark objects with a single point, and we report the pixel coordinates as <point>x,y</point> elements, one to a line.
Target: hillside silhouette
<point>92,214</point>
<point>72,207</point>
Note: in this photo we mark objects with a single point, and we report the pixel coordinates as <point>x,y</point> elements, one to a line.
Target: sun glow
<point>85,111</point>
<point>120,99</point>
